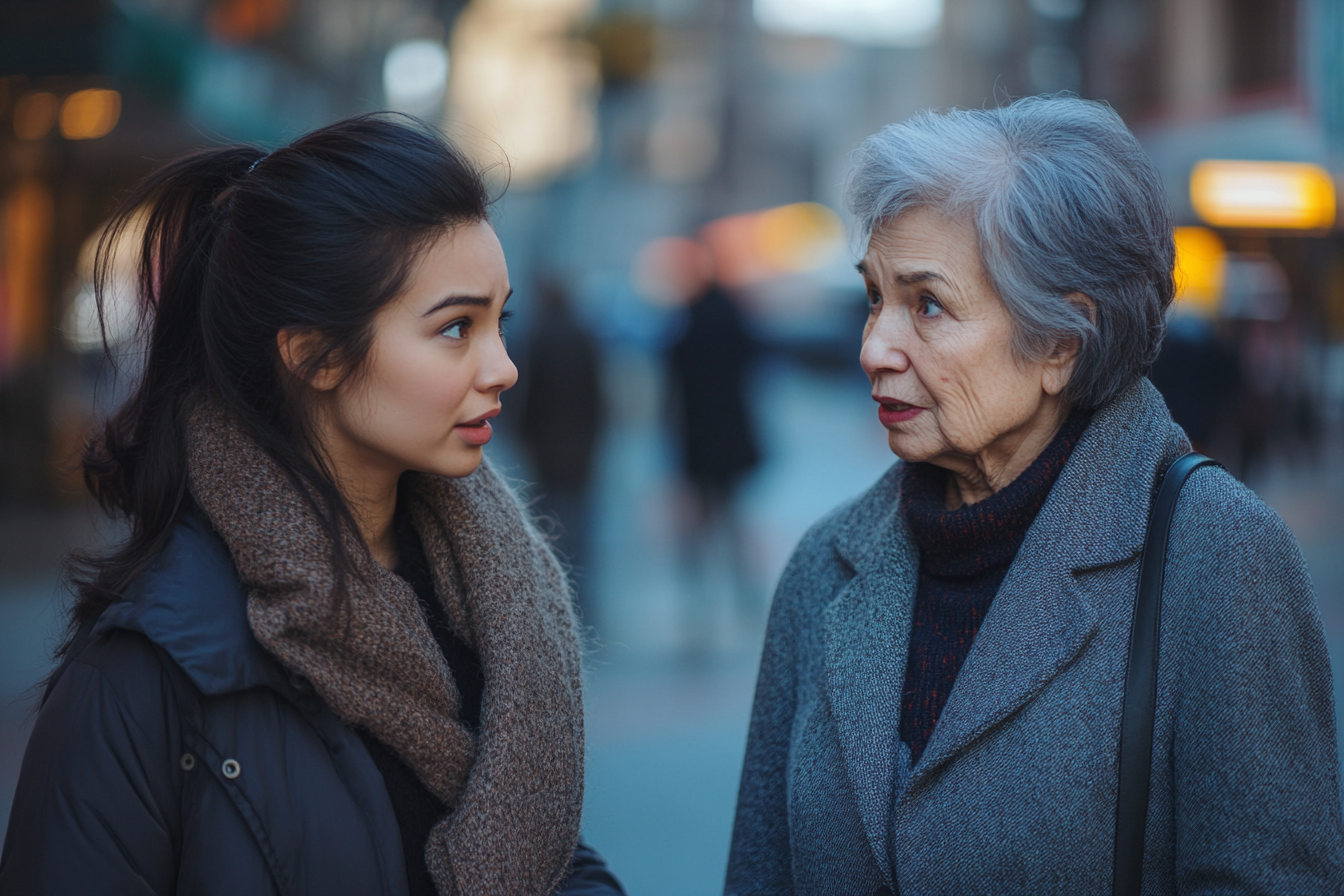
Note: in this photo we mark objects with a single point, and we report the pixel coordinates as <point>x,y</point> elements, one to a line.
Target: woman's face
<point>433,376</point>
<point>937,348</point>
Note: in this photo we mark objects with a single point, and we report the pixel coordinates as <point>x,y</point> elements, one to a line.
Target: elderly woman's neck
<point>975,477</point>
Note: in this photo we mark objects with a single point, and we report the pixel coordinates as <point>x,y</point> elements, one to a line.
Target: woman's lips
<point>477,431</point>
<point>891,412</point>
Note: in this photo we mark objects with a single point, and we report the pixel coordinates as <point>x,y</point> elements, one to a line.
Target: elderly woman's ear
<point>1059,367</point>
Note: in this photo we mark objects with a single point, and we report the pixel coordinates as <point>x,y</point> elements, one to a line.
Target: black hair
<point>238,245</point>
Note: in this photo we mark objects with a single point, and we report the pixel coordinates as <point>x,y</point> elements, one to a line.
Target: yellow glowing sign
<point>1288,195</point>
<point>87,114</point>
<point>1201,262</point>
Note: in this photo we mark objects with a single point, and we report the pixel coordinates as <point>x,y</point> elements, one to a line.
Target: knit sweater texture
<point>964,555</point>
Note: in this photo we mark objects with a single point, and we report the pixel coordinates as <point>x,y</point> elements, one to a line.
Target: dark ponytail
<point>238,245</point>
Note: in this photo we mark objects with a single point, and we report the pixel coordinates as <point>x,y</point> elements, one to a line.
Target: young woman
<point>333,655</point>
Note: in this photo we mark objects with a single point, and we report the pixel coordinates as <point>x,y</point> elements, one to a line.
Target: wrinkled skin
<point>938,346</point>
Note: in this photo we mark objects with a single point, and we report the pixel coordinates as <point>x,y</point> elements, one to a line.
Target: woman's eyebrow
<point>915,277</point>
<point>475,301</point>
<point>919,277</point>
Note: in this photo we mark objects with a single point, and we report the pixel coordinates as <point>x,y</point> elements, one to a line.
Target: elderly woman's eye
<point>929,306</point>
<point>874,298</point>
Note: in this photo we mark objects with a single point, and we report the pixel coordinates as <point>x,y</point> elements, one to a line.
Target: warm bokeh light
<point>87,114</point>
<point>522,82</point>
<point>27,216</point>
<point>672,270</point>
<point>35,114</point>
<point>1288,195</point>
<point>800,237</point>
<point>239,21</point>
<point>1201,266</point>
<point>788,239</point>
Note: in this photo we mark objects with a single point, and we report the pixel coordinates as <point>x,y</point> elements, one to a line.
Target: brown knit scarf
<point>514,791</point>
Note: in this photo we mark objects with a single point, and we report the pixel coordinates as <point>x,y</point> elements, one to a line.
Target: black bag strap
<point>1136,725</point>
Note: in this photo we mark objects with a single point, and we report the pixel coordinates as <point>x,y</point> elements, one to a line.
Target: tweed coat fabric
<point>515,791</point>
<point>1016,790</point>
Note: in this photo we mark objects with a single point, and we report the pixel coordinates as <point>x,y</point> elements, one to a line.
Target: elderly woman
<point>939,702</point>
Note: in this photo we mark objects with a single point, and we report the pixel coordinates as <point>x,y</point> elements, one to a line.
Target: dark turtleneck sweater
<point>964,555</point>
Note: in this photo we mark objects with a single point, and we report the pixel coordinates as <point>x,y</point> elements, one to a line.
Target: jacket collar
<point>1096,515</point>
<point>191,604</point>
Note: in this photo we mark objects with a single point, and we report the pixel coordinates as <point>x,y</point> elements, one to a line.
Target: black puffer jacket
<point>173,755</point>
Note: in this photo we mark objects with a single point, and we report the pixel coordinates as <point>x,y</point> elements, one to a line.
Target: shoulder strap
<point>1136,725</point>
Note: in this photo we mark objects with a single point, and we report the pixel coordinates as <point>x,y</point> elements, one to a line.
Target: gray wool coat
<point>1016,790</point>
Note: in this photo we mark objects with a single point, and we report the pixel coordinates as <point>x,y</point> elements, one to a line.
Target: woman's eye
<point>874,298</point>
<point>504,318</point>
<point>456,330</point>
<point>929,306</point>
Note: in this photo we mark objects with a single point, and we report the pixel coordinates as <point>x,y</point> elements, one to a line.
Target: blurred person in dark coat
<point>1195,374</point>
<point>710,365</point>
<point>563,414</point>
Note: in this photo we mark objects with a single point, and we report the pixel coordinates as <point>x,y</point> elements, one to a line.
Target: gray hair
<point>1064,200</point>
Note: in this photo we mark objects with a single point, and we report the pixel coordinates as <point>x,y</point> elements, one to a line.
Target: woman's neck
<point>374,505</point>
<point>976,477</point>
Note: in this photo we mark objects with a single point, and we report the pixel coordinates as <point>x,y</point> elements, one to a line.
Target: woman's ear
<point>298,349</point>
<point>1059,366</point>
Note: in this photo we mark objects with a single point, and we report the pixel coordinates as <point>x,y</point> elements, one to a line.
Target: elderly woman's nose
<point>884,346</point>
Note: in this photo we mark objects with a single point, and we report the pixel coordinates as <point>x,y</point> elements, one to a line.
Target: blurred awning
<point>53,37</point>
<point>1280,134</point>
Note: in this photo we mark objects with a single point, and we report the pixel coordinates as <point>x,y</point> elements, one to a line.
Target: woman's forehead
<point>923,244</point>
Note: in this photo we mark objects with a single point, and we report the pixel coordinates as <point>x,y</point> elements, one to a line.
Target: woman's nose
<point>498,372</point>
<point>883,345</point>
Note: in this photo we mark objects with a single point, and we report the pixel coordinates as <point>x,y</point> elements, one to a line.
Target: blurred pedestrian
<point>710,364</point>
<point>334,655</point>
<point>563,414</point>
<point>1196,375</point>
<point>940,697</point>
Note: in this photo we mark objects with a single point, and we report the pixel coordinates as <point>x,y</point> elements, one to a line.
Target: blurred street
<point>667,722</point>
<point>669,178</point>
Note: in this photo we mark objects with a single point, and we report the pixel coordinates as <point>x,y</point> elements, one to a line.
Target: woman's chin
<point>463,462</point>
<point>907,448</point>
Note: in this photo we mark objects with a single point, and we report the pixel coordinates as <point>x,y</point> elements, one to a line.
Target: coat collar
<point>1096,515</point>
<point>191,604</point>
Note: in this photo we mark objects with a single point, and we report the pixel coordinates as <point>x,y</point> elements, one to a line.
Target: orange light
<point>672,270</point>
<point>26,218</point>
<point>789,239</point>
<point>1201,263</point>
<point>803,236</point>
<point>240,21</point>
<point>34,114</point>
<point>1288,195</point>
<point>87,114</point>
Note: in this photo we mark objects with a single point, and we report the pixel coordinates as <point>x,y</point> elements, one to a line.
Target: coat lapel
<point>1039,623</point>
<point>1035,627</point>
<point>867,633</point>
<point>1096,515</point>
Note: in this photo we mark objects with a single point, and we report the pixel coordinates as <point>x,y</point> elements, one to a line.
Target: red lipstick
<point>890,411</point>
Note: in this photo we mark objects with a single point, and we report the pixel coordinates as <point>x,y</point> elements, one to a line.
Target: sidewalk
<point>666,727</point>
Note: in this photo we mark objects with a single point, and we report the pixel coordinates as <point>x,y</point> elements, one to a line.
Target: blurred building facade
<point>616,123</point>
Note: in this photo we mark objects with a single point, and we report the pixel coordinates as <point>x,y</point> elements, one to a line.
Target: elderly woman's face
<point>938,349</point>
